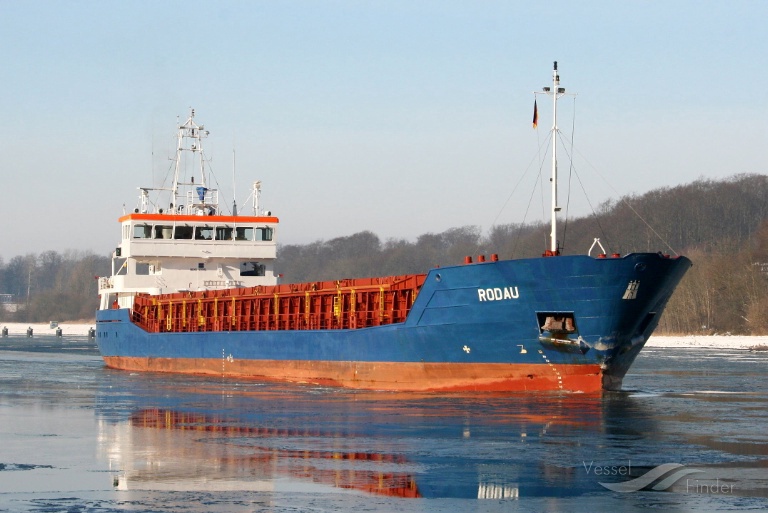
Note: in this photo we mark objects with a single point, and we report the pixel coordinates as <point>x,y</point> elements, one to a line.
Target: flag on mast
<point>535,114</point>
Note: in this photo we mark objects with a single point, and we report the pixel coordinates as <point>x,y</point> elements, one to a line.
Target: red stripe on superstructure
<point>209,219</point>
<point>396,376</point>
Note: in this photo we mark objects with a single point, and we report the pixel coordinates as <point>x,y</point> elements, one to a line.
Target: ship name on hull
<point>222,283</point>
<point>497,294</point>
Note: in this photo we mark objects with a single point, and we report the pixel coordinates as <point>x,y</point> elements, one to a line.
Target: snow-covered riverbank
<point>710,342</point>
<point>693,341</point>
<point>67,328</point>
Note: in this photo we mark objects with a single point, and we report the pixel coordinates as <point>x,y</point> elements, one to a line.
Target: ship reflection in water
<point>198,436</point>
<point>221,455</point>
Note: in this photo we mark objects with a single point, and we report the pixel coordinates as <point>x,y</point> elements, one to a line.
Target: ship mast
<point>190,138</point>
<point>188,195</point>
<point>556,92</point>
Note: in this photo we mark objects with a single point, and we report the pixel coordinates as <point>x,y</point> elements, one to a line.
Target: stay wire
<point>586,196</point>
<point>528,207</point>
<point>628,205</point>
<point>517,184</point>
<point>570,174</point>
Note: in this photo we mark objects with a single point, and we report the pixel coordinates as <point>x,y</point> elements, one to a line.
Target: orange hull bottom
<point>401,376</point>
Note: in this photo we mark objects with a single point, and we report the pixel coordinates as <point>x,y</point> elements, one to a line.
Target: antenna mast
<point>256,194</point>
<point>553,246</point>
<point>190,138</point>
<point>234,186</point>
<point>556,92</point>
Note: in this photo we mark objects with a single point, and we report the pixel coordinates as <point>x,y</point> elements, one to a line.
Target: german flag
<point>535,114</point>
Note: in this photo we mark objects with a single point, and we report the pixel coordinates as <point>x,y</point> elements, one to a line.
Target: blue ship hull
<point>473,327</point>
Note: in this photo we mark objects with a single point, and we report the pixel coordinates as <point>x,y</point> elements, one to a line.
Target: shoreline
<point>745,342</point>
<point>690,341</point>
<point>44,328</point>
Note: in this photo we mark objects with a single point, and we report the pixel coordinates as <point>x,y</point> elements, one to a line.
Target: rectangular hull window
<point>252,269</point>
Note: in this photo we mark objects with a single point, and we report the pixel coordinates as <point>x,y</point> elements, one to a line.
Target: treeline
<point>721,225</point>
<point>51,286</point>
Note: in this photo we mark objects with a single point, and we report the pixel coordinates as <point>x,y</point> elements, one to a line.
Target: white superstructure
<point>178,240</point>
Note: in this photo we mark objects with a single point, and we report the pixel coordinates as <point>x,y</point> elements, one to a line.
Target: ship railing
<point>105,282</point>
<point>201,201</point>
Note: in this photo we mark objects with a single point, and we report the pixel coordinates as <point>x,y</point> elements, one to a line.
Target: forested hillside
<point>721,225</point>
<point>52,286</point>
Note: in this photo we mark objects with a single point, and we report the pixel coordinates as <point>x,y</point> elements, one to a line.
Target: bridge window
<point>223,233</point>
<point>142,231</point>
<point>203,233</point>
<point>182,232</point>
<point>264,233</point>
<point>244,233</point>
<point>163,232</point>
<point>120,266</point>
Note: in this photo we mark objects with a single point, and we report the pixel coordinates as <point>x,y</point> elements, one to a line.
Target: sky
<point>398,117</point>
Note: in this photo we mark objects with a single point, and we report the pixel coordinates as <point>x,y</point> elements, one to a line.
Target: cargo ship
<point>194,290</point>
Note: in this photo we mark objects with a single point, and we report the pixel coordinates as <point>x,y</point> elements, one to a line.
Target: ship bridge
<point>162,253</point>
<point>178,239</point>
